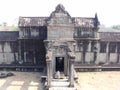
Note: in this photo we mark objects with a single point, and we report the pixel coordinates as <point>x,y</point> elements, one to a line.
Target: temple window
<point>93,46</point>
<point>118,47</point>
<point>85,46</point>
<point>112,47</point>
<point>27,32</point>
<point>103,47</point>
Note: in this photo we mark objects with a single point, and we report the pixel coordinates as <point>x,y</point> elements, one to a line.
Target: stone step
<point>60,80</point>
<point>62,88</point>
<point>59,84</point>
<point>62,75</point>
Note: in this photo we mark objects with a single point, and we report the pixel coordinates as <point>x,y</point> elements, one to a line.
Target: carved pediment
<point>60,8</point>
<point>59,16</point>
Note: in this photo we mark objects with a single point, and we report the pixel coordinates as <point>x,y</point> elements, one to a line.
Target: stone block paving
<point>22,81</point>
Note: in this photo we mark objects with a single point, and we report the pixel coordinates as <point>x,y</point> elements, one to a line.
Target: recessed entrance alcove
<point>59,64</point>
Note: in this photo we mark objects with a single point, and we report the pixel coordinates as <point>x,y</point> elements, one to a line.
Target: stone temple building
<point>58,39</point>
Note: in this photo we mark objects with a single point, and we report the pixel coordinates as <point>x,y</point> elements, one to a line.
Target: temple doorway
<point>30,57</point>
<point>60,64</point>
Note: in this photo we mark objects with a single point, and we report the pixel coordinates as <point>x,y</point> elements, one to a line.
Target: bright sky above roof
<point>108,10</point>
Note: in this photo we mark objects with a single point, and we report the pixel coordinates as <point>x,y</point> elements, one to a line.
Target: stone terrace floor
<point>86,81</point>
<point>22,81</point>
<point>98,80</point>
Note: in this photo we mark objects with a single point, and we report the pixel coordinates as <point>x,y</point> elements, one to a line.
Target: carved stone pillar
<point>34,57</point>
<point>107,53</point>
<point>81,50</point>
<point>72,73</point>
<point>117,61</point>
<point>98,53</point>
<point>34,52</point>
<point>95,50</point>
<point>89,52</point>
<point>118,53</point>
<point>19,50</point>
<point>49,67</point>
<point>71,68</point>
<point>48,73</point>
<point>24,56</point>
<point>89,46</point>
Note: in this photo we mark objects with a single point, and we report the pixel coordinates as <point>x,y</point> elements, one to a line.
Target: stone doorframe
<point>70,58</point>
<point>66,64</point>
<point>71,68</point>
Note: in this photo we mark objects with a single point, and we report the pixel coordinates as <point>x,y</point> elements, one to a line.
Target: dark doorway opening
<point>60,64</point>
<point>30,57</point>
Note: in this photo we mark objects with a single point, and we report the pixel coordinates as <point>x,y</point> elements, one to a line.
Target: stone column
<point>95,49</point>
<point>19,50</point>
<point>116,48</point>
<point>81,51</point>
<point>98,50</point>
<point>71,68</point>
<point>107,53</point>
<point>24,56</point>
<point>48,73</point>
<point>49,67</point>
<point>34,57</point>
<point>72,73</point>
<point>116,51</point>
<point>82,58</point>
<point>89,46</point>
<point>89,52</point>
<point>34,52</point>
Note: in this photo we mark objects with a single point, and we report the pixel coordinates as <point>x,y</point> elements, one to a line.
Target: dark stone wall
<point>8,52</point>
<point>33,52</point>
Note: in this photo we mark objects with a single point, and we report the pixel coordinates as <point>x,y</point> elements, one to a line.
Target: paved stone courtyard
<point>22,81</point>
<point>86,81</point>
<point>99,80</point>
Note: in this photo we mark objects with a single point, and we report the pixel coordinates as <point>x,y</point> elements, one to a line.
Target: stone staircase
<point>60,84</point>
<point>62,88</point>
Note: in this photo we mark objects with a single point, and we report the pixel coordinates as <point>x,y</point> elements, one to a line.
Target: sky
<point>108,11</point>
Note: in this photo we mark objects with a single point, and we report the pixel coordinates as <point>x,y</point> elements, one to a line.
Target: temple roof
<point>42,21</point>
<point>110,36</point>
<point>60,8</point>
<point>9,35</point>
<point>32,21</point>
<point>83,22</point>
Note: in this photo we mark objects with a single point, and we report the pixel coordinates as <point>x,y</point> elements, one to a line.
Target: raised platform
<point>61,84</point>
<point>22,67</point>
<point>62,88</point>
<point>96,66</point>
<point>106,67</point>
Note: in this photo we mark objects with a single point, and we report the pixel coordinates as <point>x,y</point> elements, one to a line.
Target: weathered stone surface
<point>61,30</point>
